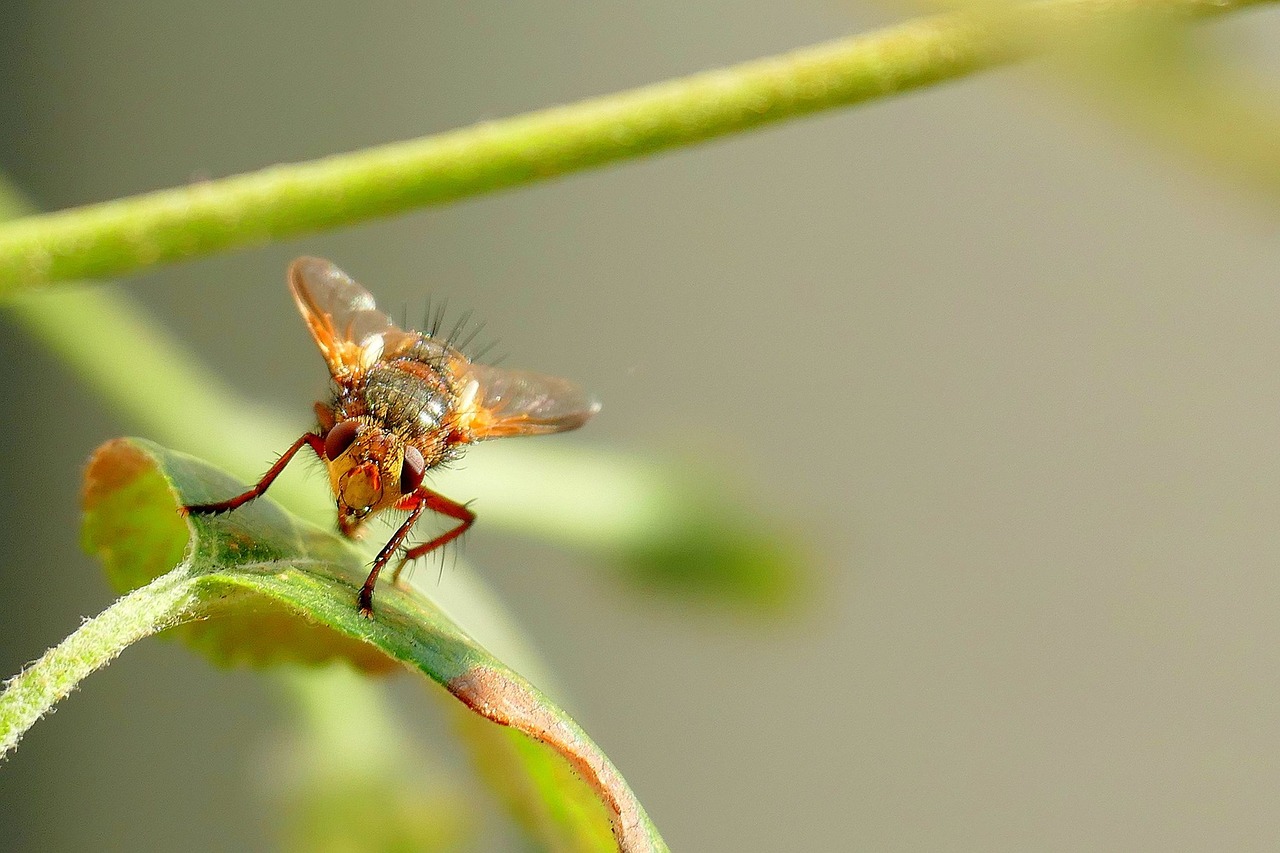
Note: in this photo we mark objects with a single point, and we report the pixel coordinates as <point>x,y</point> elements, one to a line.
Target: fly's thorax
<point>412,398</point>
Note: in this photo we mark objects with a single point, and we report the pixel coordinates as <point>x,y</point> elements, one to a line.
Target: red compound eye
<point>340,438</point>
<point>411,473</point>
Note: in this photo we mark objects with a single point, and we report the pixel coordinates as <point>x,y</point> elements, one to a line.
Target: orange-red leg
<point>426,499</point>
<point>316,442</point>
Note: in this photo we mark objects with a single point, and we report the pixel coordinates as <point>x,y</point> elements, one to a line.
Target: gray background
<point>1027,409</point>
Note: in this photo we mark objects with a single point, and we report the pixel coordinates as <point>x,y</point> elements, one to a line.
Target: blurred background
<point>1008,363</point>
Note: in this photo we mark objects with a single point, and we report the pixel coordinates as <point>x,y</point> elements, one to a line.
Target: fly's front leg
<point>420,501</point>
<point>365,599</point>
<point>315,442</point>
<point>438,503</point>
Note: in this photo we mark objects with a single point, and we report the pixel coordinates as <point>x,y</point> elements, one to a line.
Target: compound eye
<point>411,473</point>
<point>340,438</point>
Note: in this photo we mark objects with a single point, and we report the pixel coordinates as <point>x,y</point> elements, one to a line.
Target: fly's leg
<point>316,443</point>
<point>365,600</point>
<point>444,506</point>
<point>424,499</point>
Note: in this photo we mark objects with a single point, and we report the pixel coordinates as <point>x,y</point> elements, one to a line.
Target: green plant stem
<point>129,234</point>
<point>145,611</point>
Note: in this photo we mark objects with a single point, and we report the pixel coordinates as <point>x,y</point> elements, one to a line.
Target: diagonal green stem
<point>143,612</point>
<point>122,236</point>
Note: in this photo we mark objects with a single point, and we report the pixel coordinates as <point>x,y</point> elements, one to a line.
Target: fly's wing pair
<point>353,334</point>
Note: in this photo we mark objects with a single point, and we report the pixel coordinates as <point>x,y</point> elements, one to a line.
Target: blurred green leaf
<point>270,588</point>
<point>1152,72</point>
<point>682,529</point>
<point>715,550</point>
<point>1149,67</point>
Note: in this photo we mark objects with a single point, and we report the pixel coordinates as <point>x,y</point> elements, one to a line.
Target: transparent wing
<point>344,321</point>
<point>517,402</point>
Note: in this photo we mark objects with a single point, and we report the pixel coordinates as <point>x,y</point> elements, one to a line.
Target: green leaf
<point>270,588</point>
<point>682,528</point>
<point>131,494</point>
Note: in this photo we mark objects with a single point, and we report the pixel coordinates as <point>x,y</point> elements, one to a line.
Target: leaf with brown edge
<point>531,780</point>
<point>512,702</point>
<point>273,588</point>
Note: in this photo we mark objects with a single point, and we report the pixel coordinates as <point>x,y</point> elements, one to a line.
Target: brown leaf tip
<point>112,466</point>
<point>508,700</point>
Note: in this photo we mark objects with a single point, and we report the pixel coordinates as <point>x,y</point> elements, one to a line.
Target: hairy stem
<point>284,201</point>
<point>143,612</point>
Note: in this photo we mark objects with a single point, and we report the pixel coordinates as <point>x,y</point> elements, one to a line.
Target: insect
<point>402,403</point>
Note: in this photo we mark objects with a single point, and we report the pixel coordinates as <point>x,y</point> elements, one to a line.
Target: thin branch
<point>129,234</point>
<point>147,610</point>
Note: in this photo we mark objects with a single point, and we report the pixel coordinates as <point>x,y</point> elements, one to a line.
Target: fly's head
<point>370,469</point>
